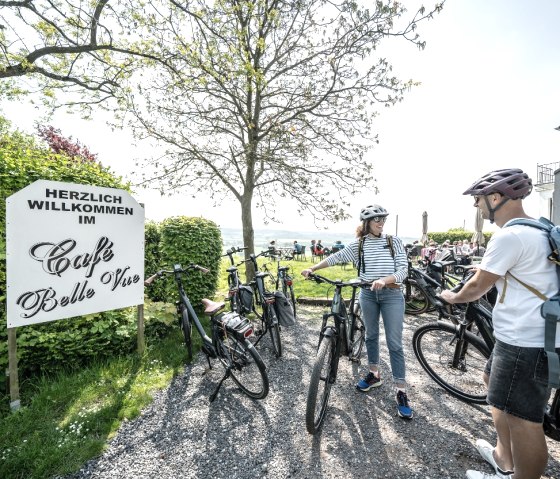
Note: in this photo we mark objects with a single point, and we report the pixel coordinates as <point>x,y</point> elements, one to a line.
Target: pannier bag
<point>284,310</point>
<point>246,296</point>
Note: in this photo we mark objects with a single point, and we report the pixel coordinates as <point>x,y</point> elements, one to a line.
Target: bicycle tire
<point>435,346</point>
<point>291,297</point>
<point>274,330</point>
<point>416,301</point>
<point>186,329</point>
<point>246,366</point>
<point>321,375</point>
<point>357,334</point>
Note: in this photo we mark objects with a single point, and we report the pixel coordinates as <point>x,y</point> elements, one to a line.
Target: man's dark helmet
<point>510,182</point>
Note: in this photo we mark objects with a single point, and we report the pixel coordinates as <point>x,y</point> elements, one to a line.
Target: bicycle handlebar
<point>177,269</point>
<point>337,282</point>
<point>234,249</point>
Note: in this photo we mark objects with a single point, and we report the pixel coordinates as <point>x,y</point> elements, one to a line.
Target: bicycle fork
<point>458,362</point>
<point>331,332</point>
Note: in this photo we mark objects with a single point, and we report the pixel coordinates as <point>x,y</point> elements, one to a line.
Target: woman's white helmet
<point>372,211</point>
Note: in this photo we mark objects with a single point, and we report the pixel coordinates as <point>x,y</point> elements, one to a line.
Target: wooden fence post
<point>13,370</point>
<point>140,339</point>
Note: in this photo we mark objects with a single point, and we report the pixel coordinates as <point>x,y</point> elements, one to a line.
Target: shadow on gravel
<point>183,435</point>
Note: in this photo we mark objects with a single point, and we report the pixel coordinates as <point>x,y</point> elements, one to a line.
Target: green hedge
<point>456,235</point>
<point>153,261</point>
<point>186,240</point>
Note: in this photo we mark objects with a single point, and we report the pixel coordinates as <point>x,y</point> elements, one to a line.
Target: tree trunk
<point>248,233</point>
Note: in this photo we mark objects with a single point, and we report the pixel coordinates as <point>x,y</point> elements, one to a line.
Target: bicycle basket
<point>235,324</point>
<point>284,310</point>
<point>246,297</point>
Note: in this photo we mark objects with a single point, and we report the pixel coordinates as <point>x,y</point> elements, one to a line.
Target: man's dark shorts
<point>518,382</point>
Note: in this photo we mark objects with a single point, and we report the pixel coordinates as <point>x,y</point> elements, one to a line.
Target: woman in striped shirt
<point>380,259</point>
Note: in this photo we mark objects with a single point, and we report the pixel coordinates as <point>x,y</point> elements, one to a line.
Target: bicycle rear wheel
<point>416,301</point>
<point>320,385</point>
<point>186,328</point>
<point>246,366</point>
<point>288,291</point>
<point>274,330</point>
<point>457,365</point>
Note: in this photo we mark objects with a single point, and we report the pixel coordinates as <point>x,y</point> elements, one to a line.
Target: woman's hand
<point>307,272</point>
<point>378,284</point>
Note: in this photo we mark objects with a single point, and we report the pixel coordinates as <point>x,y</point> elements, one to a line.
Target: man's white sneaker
<point>487,452</point>
<point>482,475</point>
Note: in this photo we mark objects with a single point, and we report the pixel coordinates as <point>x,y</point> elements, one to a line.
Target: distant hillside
<point>285,238</point>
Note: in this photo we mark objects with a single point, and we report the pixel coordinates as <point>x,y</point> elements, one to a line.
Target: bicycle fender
<point>328,332</point>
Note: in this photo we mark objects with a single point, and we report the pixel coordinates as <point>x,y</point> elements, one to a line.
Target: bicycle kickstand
<point>215,393</point>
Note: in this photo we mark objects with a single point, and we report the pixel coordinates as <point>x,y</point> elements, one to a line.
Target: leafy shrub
<point>152,259</point>
<point>186,240</point>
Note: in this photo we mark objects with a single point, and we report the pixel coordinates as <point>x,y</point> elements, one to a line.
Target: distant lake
<point>285,238</point>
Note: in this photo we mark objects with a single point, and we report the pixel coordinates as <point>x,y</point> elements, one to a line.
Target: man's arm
<point>479,284</point>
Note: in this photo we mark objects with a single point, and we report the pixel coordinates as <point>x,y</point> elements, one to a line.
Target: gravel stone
<point>182,435</point>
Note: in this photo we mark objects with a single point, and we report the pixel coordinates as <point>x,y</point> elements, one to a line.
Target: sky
<point>489,98</point>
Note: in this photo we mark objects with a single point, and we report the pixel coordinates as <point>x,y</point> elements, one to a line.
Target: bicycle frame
<point>207,342</point>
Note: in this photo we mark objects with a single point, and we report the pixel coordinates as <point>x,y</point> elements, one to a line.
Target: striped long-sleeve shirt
<point>377,258</point>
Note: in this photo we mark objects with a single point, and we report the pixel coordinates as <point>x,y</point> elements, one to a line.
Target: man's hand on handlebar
<point>448,296</point>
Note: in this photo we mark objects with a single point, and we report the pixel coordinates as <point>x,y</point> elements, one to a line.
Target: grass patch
<point>67,418</point>
<point>302,288</point>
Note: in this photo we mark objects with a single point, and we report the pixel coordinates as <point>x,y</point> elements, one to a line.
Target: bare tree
<point>76,47</point>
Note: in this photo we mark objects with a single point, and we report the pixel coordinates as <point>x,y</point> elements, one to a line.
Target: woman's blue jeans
<point>389,303</point>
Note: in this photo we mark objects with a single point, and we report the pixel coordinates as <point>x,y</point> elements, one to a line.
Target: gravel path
<point>182,435</point>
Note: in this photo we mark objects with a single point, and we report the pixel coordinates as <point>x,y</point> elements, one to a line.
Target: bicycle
<point>240,300</point>
<point>420,288</point>
<point>284,282</point>
<point>228,341</point>
<point>265,300</point>
<point>343,335</point>
<point>454,353</point>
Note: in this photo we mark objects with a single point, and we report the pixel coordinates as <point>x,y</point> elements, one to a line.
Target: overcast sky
<point>489,98</point>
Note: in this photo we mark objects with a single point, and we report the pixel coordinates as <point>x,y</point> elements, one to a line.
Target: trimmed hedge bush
<point>456,235</point>
<point>153,261</point>
<point>186,240</point>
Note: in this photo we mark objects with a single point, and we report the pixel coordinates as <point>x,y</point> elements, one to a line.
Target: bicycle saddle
<point>212,307</point>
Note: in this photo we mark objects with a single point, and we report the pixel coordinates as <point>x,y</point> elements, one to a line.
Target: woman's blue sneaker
<point>403,408</point>
<point>370,381</point>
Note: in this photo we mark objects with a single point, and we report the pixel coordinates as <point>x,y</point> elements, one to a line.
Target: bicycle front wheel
<point>246,366</point>
<point>416,301</point>
<point>186,328</point>
<point>322,378</point>
<point>456,364</point>
<point>357,333</point>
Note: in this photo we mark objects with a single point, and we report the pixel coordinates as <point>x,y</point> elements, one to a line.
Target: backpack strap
<point>550,311</point>
<point>390,244</point>
<point>361,262</point>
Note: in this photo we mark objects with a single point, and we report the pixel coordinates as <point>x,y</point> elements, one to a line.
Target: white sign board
<point>72,250</point>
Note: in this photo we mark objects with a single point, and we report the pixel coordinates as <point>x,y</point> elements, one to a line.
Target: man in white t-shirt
<point>517,372</point>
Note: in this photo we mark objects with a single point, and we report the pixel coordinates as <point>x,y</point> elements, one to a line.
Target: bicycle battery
<point>235,324</point>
